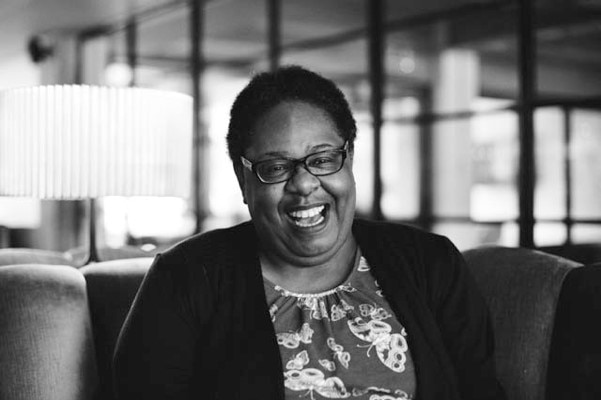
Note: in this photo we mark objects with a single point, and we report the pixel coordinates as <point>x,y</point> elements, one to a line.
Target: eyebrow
<point>284,154</point>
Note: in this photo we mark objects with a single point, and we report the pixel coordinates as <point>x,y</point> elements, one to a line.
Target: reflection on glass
<point>466,236</point>
<point>494,163</point>
<point>400,171</point>
<point>549,233</point>
<point>586,233</point>
<point>452,168</point>
<point>363,164</point>
<point>586,167</point>
<point>162,218</point>
<point>458,60</point>
<point>224,197</point>
<point>549,194</point>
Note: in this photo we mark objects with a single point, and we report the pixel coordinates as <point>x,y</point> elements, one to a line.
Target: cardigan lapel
<point>390,265</point>
<point>261,366</point>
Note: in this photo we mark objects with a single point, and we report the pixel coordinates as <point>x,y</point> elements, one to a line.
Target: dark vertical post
<point>196,68</point>
<point>376,79</point>
<point>527,78</point>
<point>131,44</point>
<point>567,165</point>
<point>79,60</point>
<point>92,241</point>
<point>425,164</point>
<point>274,32</point>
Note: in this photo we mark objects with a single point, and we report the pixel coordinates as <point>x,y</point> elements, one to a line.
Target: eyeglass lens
<point>322,163</point>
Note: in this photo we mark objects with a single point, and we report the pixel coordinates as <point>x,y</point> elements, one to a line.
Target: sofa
<point>59,324</point>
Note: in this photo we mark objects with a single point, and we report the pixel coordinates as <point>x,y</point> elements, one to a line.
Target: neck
<point>310,276</point>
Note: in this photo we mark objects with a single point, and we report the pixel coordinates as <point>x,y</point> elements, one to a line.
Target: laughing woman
<point>305,301</point>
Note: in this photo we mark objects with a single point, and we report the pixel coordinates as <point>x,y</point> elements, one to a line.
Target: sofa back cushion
<point>14,256</point>
<point>575,361</point>
<point>46,346</point>
<point>112,286</point>
<point>522,288</point>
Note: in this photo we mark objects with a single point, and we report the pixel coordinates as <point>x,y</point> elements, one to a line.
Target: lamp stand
<point>92,245</point>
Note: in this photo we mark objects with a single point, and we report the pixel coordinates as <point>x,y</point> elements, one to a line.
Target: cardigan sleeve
<point>158,345</point>
<point>464,323</point>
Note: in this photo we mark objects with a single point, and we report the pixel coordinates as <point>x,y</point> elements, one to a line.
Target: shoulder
<point>399,236</point>
<point>429,260</point>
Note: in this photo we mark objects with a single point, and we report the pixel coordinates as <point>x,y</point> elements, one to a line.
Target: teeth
<point>312,212</point>
<point>309,223</point>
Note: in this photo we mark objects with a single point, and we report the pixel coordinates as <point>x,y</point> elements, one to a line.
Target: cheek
<point>343,190</point>
<point>262,199</point>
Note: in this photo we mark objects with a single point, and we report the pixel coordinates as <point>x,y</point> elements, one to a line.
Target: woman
<point>305,300</point>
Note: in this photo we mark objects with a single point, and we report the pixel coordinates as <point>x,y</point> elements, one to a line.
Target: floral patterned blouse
<point>341,343</point>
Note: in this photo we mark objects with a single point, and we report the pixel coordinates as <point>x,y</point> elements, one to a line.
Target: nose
<point>302,181</point>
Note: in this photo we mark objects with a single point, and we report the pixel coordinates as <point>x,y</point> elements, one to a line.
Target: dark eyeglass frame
<point>253,166</point>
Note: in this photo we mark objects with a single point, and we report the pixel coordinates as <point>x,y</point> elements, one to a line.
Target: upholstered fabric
<point>586,253</point>
<point>14,256</point>
<point>522,288</point>
<point>112,286</point>
<point>79,255</point>
<point>575,361</point>
<point>46,346</point>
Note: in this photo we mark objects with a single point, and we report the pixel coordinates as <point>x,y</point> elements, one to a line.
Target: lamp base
<point>92,256</point>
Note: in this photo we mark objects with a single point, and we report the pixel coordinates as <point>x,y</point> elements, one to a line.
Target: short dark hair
<point>290,83</point>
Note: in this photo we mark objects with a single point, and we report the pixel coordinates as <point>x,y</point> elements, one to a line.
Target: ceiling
<point>236,31</point>
<point>20,19</point>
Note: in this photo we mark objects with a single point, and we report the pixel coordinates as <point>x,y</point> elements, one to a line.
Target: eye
<point>323,160</point>
<point>274,167</point>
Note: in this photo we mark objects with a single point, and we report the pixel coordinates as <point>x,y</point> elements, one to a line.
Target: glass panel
<point>586,233</point>
<point>316,19</point>
<point>224,198</point>
<point>400,171</point>
<point>586,164</point>
<point>454,62</point>
<point>363,163</point>
<point>452,168</point>
<point>550,190</point>
<point>494,166</point>
<point>467,235</point>
<point>475,167</point>
<point>568,50</point>
<point>235,46</point>
<point>549,234</point>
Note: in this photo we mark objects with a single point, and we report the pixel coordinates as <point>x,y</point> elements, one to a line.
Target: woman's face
<point>307,219</point>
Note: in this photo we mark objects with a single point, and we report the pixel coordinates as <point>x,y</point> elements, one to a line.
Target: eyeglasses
<point>281,169</point>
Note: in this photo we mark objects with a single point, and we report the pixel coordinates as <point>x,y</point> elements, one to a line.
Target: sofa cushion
<point>575,360</point>
<point>46,346</point>
<point>112,286</point>
<point>522,288</point>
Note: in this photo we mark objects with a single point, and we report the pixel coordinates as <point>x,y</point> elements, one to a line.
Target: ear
<point>239,170</point>
<point>351,155</point>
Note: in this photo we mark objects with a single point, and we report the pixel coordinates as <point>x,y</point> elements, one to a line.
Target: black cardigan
<point>199,327</point>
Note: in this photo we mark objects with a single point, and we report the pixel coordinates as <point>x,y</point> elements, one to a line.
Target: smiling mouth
<point>308,218</point>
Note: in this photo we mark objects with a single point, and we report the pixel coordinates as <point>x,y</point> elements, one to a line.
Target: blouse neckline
<point>359,260</point>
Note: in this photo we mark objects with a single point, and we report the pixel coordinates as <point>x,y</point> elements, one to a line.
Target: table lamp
<point>73,142</point>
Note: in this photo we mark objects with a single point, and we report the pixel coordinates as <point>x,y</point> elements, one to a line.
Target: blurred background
<point>478,119</point>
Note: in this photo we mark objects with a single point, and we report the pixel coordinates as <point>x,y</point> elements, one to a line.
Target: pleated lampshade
<point>79,141</point>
